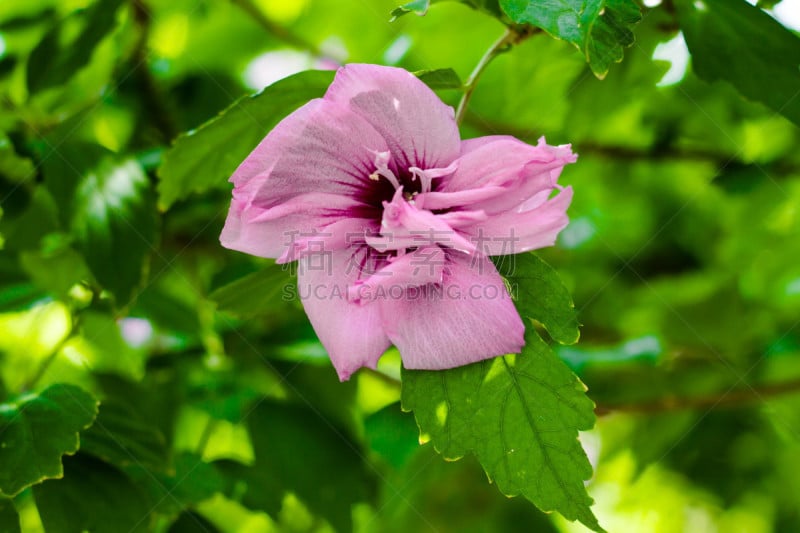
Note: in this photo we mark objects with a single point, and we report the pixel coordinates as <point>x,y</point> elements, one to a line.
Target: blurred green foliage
<point>218,409</point>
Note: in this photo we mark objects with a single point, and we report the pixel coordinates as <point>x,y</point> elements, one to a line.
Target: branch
<point>729,398</point>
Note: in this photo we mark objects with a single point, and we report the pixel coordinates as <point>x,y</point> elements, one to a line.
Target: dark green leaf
<point>122,436</point>
<point>733,41</point>
<point>540,295</point>
<point>68,47</point>
<point>304,453</point>
<point>9,519</point>
<point>520,414</point>
<point>601,29</point>
<point>92,496</point>
<point>36,430</point>
<point>255,294</point>
<point>207,156</point>
<point>440,78</point>
<point>114,224</point>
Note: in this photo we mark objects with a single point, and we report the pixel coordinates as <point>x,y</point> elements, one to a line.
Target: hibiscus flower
<point>392,218</point>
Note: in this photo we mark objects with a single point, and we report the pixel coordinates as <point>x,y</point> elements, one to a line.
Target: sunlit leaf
<point>36,430</point>
<point>114,224</point>
<point>520,415</point>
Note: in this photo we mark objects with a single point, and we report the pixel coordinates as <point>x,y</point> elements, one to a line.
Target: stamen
<point>382,169</point>
<point>427,176</point>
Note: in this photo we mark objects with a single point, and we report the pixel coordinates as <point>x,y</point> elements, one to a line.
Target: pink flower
<point>392,217</point>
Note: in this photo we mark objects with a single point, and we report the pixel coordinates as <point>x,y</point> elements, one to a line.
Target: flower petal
<point>414,269</point>
<point>418,127</point>
<point>496,174</point>
<point>468,318</point>
<point>307,173</point>
<point>352,334</point>
<point>513,232</point>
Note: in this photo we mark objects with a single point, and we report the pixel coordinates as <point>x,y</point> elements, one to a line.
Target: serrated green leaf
<point>734,41</point>
<point>9,518</point>
<point>254,294</point>
<point>440,78</point>
<point>36,430</point>
<point>601,29</point>
<point>520,415</point>
<point>540,295</point>
<point>68,46</point>
<point>206,157</point>
<point>93,496</point>
<point>114,224</point>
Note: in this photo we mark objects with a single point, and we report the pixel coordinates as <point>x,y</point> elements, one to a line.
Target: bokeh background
<point>219,409</point>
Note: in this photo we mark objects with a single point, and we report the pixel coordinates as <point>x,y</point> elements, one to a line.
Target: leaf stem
<point>513,35</point>
<point>728,398</point>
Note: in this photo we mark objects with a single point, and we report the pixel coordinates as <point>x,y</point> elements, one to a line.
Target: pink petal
<point>513,232</point>
<point>468,318</point>
<point>516,172</point>
<point>420,130</point>
<point>271,232</point>
<point>307,173</point>
<point>352,334</point>
<point>414,269</point>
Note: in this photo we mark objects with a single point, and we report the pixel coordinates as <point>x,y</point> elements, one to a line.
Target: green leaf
<point>68,47</point>
<point>540,295</point>
<point>520,415</point>
<point>36,430</point>
<point>254,294</point>
<point>440,78</point>
<point>122,436</point>
<point>418,7</point>
<point>601,29</point>
<point>114,224</point>
<point>301,451</point>
<point>733,41</point>
<point>9,518</point>
<point>92,496</point>
<point>207,156</point>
